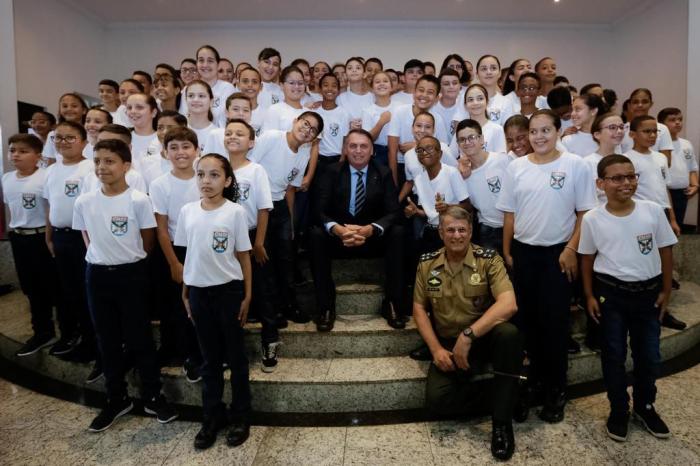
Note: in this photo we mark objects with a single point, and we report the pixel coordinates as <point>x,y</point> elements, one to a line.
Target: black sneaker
<point>269,356</point>
<point>34,344</point>
<point>81,352</point>
<point>160,408</point>
<point>110,413</point>
<point>63,346</point>
<point>652,422</point>
<point>617,425</point>
<point>192,371</point>
<point>96,373</point>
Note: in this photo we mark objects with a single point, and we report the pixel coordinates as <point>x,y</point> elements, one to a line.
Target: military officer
<point>467,291</point>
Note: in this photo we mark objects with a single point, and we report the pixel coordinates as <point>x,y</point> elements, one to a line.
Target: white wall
<point>58,49</point>
<point>393,42</point>
<point>650,49</point>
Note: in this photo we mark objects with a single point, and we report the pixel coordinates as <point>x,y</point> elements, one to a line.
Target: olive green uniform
<point>456,298</point>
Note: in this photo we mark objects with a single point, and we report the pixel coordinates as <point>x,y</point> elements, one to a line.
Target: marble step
<point>369,270</point>
<point>350,298</point>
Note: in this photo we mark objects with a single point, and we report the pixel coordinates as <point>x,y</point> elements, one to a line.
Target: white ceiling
<point>520,11</point>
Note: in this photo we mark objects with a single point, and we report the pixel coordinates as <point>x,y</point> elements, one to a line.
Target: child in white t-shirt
<point>127,87</point>
<point>22,192</point>
<point>217,293</point>
<point>336,122</point>
<point>109,95</point>
<point>280,116</point>
<point>238,105</point>
<point>95,119</point>
<point>584,111</point>
<point>169,192</point>
<point>639,104</point>
<point>249,83</point>
<point>142,110</point>
<point>71,107</point>
<point>153,167</point>
<point>356,98</point>
<point>448,105</point>
<point>475,107</point>
<point>376,117</point>
<point>199,98</point>
<point>627,272</point>
<point>118,228</point>
<point>269,61</point>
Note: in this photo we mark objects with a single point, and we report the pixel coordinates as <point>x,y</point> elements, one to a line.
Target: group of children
<point>186,196</point>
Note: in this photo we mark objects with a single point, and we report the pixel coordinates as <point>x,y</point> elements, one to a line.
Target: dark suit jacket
<point>333,197</point>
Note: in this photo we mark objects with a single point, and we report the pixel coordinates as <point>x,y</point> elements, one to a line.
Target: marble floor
<point>36,429</point>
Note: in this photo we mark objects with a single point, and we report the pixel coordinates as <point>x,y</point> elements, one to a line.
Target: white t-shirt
<point>448,115</point>
<point>64,183</point>
<point>580,143</point>
<point>336,124</point>
<point>114,225</point>
<point>121,118</point>
<point>355,103</point>
<point>592,161</point>
<point>652,169</point>
<point>683,162</point>
<point>484,186</point>
<point>215,142</point>
<point>143,147</point>
<point>254,190</point>
<point>169,193</point>
<point>203,137</point>
<point>413,167</point>
<point>281,116</point>
<point>370,117</point>
<point>257,118</point>
<point>88,151</point>
<point>663,139</point>
<point>152,168</point>
<point>212,237</point>
<point>133,178</point>
<point>546,197</point>
<point>283,166</point>
<point>221,90</point>
<point>496,106</point>
<point>448,183</point>
<point>401,125</point>
<point>270,94</point>
<point>626,248</point>
<point>494,138</point>
<point>402,98</point>
<point>49,150</point>
<point>24,197</point>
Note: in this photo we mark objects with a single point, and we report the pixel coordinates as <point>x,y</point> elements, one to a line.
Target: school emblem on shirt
<point>216,102</point>
<point>28,200</point>
<point>663,173</point>
<point>495,115</point>
<point>334,128</point>
<point>72,188</point>
<point>646,243</point>
<point>292,174</point>
<point>556,180</point>
<point>119,226</point>
<point>453,127</point>
<point>687,154</point>
<point>243,191</point>
<point>151,151</point>
<point>275,99</point>
<point>219,241</point>
<point>494,184</point>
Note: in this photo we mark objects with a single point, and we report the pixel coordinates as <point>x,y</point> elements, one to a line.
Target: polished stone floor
<point>36,429</point>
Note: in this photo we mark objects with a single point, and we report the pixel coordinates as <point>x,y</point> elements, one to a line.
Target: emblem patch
<point>72,188</point>
<point>119,226</point>
<point>243,191</point>
<point>434,273</point>
<point>28,200</point>
<point>646,243</point>
<point>434,282</point>
<point>275,99</point>
<point>687,154</point>
<point>219,241</point>
<point>453,127</point>
<point>216,102</point>
<point>494,184</point>
<point>475,278</point>
<point>293,174</point>
<point>556,180</point>
<point>495,115</point>
<point>334,129</point>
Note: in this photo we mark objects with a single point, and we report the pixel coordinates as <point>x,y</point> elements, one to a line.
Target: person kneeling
<point>471,299</point>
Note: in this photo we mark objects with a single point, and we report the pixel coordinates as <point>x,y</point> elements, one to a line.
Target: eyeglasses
<point>425,151</point>
<point>619,179</point>
<point>471,138</point>
<point>620,127</point>
<point>192,70</point>
<point>296,83</point>
<point>70,139</point>
<point>307,127</point>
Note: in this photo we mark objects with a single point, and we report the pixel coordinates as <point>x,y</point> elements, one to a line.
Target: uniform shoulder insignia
<point>486,253</point>
<point>429,255</point>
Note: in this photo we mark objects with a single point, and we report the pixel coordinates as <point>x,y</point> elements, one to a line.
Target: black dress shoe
<point>521,410</point>
<point>206,436</point>
<point>422,353</point>
<point>671,322</point>
<point>502,440</point>
<point>392,316</point>
<point>281,321</point>
<point>325,321</point>
<point>553,407</point>
<point>238,434</point>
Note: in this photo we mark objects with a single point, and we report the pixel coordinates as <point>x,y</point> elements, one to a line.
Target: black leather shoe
<point>671,322</point>
<point>206,436</point>
<point>238,434</point>
<point>553,407</point>
<point>422,353</point>
<point>521,410</point>
<point>502,440</point>
<point>295,314</point>
<point>325,321</point>
<point>392,316</point>
<point>281,321</point>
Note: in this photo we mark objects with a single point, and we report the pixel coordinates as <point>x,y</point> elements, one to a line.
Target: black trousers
<point>543,294</point>
<point>36,271</point>
<point>447,393</point>
<point>116,294</point>
<point>280,248</point>
<point>73,315</point>
<point>221,337</point>
<point>324,247</point>
<point>680,204</point>
<point>263,296</point>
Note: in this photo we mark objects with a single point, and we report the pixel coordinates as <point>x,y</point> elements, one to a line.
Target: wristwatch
<point>469,333</point>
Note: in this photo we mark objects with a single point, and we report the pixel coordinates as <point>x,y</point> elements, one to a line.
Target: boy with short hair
<point>41,124</point>
<point>109,95</point>
<point>239,106</point>
<point>22,192</point>
<point>117,225</point>
<point>683,173</point>
<point>559,100</point>
<point>413,69</point>
<point>627,271</point>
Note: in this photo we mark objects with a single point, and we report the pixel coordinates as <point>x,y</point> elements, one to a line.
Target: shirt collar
<point>354,170</point>
<point>469,259</point>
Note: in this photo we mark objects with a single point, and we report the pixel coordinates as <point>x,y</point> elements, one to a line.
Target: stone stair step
<point>350,298</point>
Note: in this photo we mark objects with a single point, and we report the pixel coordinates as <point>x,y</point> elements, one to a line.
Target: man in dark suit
<point>357,215</point>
